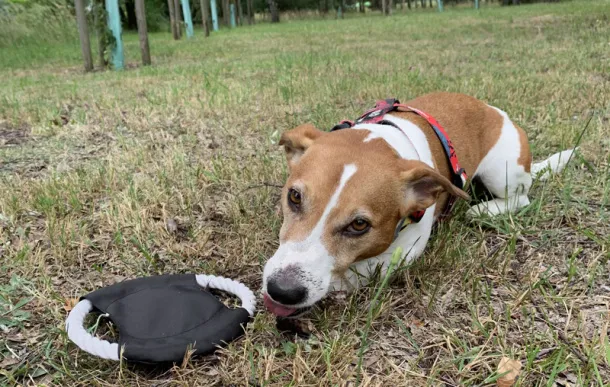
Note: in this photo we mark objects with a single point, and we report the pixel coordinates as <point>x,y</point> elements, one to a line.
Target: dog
<point>354,195</point>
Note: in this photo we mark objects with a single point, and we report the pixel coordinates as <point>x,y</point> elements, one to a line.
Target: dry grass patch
<point>175,169</point>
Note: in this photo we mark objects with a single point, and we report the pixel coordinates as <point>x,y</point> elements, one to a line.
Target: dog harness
<point>376,116</point>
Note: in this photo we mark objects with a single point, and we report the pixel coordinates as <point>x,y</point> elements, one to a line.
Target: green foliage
<point>11,312</point>
<point>156,15</point>
<point>41,22</point>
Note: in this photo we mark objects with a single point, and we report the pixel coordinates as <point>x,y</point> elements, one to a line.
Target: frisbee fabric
<point>160,318</point>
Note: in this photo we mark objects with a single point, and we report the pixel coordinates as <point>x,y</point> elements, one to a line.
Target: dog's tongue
<point>277,309</point>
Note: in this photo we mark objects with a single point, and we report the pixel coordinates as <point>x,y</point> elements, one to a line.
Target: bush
<point>156,19</point>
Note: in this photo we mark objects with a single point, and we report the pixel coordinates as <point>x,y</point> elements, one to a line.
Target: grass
<point>173,168</point>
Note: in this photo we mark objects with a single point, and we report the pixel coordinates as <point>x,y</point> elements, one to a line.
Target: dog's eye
<point>358,227</point>
<point>294,198</point>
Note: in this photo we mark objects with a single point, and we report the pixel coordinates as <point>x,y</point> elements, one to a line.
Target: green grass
<point>93,166</point>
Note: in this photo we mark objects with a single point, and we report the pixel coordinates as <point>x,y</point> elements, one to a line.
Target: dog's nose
<point>286,292</point>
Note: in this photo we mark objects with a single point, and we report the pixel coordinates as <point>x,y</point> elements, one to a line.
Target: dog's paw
<point>344,285</point>
<point>484,209</point>
<point>339,286</point>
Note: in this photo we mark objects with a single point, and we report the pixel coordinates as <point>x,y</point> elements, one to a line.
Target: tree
<point>205,17</point>
<point>250,8</point>
<point>226,16</point>
<point>172,19</point>
<point>275,12</point>
<point>178,18</point>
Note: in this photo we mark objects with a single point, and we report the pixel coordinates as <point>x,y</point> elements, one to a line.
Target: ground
<point>174,168</point>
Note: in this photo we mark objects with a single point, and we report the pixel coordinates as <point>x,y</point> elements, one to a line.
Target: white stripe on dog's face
<point>313,261</point>
<point>341,179</point>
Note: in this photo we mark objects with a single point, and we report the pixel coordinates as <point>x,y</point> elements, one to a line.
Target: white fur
<point>505,178</point>
<point>499,171</point>
<point>310,255</point>
<point>502,175</point>
<point>411,144</point>
<point>413,240</point>
<point>553,164</point>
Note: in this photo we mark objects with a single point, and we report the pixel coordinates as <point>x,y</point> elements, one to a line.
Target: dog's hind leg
<point>505,172</point>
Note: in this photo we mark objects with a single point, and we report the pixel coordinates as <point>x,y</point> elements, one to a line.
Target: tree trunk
<point>83,33</point>
<point>423,3</point>
<point>172,18</point>
<point>430,3</point>
<point>240,13</point>
<point>250,12</point>
<point>100,30</point>
<point>361,6</point>
<point>178,18</point>
<point>383,5</point>
<point>142,31</point>
<point>205,17</point>
<point>390,6</point>
<point>226,12</point>
<point>409,4</point>
<point>273,9</point>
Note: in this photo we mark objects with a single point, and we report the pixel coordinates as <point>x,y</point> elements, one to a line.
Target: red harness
<point>376,116</point>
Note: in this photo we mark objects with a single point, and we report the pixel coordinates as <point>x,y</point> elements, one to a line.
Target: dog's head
<point>342,202</point>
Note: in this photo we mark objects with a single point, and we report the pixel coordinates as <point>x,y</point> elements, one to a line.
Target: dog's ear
<point>297,140</point>
<point>423,185</point>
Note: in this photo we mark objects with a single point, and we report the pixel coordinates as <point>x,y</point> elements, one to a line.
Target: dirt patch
<point>11,135</point>
<point>26,168</point>
<point>32,156</point>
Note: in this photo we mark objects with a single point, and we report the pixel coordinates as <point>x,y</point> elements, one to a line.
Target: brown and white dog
<point>348,189</point>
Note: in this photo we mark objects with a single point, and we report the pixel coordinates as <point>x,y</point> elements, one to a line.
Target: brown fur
<point>464,118</point>
<point>525,157</point>
<point>385,187</point>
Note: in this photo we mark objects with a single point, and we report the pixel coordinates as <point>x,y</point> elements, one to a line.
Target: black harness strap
<point>376,116</point>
